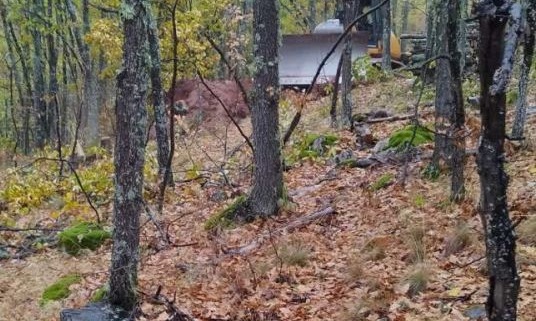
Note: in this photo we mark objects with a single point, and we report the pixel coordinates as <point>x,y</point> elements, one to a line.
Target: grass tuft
<point>295,253</point>
<point>415,242</point>
<point>527,232</point>
<point>417,280</point>
<point>382,182</point>
<point>354,268</point>
<point>460,239</point>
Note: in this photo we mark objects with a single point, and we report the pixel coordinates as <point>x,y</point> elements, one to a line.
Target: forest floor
<point>364,261</point>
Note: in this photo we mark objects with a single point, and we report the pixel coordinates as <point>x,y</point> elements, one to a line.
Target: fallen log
<point>300,222</point>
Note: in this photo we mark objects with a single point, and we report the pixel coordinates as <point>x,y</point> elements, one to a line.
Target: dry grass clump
<point>417,279</point>
<point>415,242</point>
<point>460,238</point>
<point>526,232</point>
<point>354,268</point>
<point>375,250</point>
<point>295,253</point>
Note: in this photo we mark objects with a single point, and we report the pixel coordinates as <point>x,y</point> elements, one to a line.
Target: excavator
<point>301,55</point>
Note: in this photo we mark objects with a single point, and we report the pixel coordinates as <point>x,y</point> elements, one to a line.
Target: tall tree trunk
<point>528,53</point>
<point>500,238</point>
<point>405,18</point>
<point>394,16</point>
<point>129,159</point>
<point>52,117</point>
<point>90,113</point>
<point>457,114</point>
<point>346,68</point>
<point>386,52</point>
<point>39,99</point>
<point>268,176</point>
<point>160,115</point>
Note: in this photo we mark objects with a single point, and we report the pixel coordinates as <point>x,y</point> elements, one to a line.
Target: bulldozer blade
<point>301,56</point>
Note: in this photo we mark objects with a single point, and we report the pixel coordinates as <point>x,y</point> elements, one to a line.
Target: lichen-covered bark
<point>160,115</point>
<point>129,158</point>
<point>528,53</point>
<point>500,238</point>
<point>457,113</point>
<point>268,176</point>
<point>405,18</point>
<point>346,71</point>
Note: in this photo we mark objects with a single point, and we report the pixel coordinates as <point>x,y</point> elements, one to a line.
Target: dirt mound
<point>201,102</point>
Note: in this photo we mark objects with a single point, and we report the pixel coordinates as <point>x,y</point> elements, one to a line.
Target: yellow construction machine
<point>302,54</point>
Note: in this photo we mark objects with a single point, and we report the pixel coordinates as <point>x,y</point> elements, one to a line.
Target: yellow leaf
<point>454,292</point>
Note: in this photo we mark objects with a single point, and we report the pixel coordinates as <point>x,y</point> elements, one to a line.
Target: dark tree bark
<point>129,158</point>
<point>52,116</point>
<point>500,237</point>
<point>449,111</point>
<point>346,68</point>
<point>335,97</point>
<point>268,176</point>
<point>386,47</point>
<point>39,99</point>
<point>160,115</point>
<point>528,54</point>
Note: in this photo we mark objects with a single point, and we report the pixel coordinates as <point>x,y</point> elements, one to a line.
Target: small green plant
<point>295,253</point>
<point>527,232</point>
<point>364,71</point>
<point>60,289</point>
<point>417,279</point>
<point>460,238</point>
<point>226,217</point>
<point>382,182</point>
<point>410,134</point>
<point>83,235</point>
<point>313,146</point>
<point>419,201</point>
<point>431,172</point>
<point>100,294</point>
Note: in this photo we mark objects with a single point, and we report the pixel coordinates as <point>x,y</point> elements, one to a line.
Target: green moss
<point>83,235</point>
<point>100,294</point>
<point>382,182</point>
<point>312,146</point>
<point>402,137</point>
<point>60,289</point>
<point>431,172</point>
<point>226,217</point>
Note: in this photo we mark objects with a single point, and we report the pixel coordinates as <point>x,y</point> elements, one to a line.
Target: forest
<point>267,160</point>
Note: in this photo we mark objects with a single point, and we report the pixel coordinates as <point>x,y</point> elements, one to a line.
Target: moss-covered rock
<point>83,235</point>
<point>401,138</point>
<point>60,289</point>
<point>226,217</point>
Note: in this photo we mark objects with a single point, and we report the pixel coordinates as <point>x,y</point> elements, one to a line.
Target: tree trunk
<point>131,122</point>
<point>394,16</point>
<point>39,99</point>
<point>500,238</point>
<point>457,113</point>
<point>528,53</point>
<point>90,113</point>
<point>386,52</point>
<point>346,68</point>
<point>268,176</point>
<point>405,18</point>
<point>160,115</point>
<point>52,117</point>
